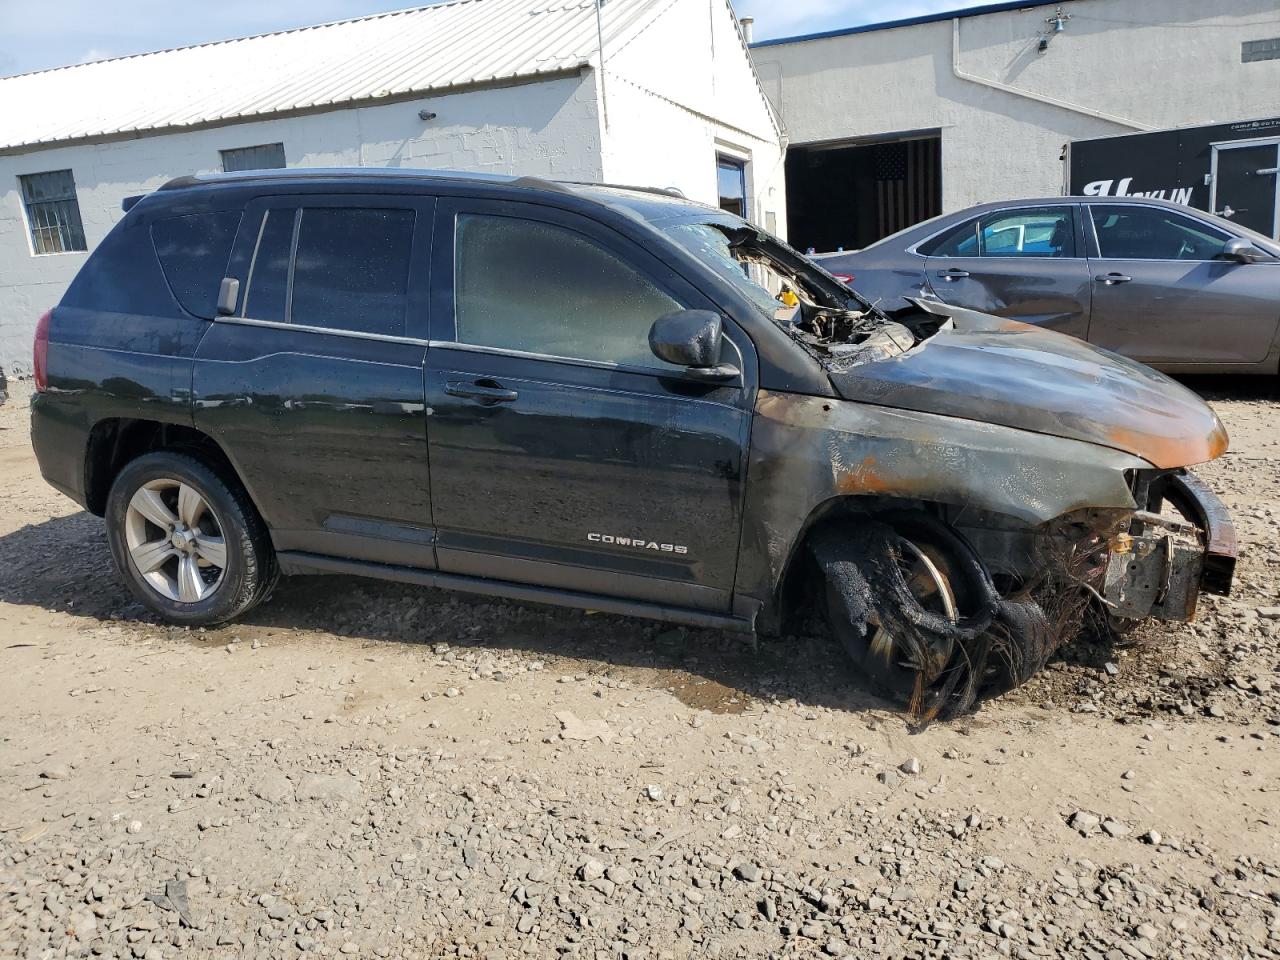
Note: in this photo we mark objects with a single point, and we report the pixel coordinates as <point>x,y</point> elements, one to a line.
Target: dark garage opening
<point>852,194</point>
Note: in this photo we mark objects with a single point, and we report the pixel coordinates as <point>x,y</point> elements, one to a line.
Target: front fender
<point>808,451</point>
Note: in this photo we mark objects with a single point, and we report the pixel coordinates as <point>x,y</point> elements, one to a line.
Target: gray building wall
<point>1004,108</point>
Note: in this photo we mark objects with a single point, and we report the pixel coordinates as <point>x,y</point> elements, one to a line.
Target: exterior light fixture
<point>1057,24</point>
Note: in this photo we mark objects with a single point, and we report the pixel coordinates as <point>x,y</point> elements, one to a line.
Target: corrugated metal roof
<point>426,48</point>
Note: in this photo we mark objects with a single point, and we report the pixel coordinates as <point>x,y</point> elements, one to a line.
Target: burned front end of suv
<point>978,491</point>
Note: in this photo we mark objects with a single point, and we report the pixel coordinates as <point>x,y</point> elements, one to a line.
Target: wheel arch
<point>115,442</point>
<point>789,591</point>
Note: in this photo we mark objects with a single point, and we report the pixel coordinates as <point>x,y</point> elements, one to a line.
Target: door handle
<point>1111,279</point>
<point>486,391</point>
<point>953,275</point>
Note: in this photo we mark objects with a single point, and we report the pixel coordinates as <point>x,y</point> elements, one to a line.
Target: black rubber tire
<point>968,578</point>
<point>251,572</point>
<point>1007,669</point>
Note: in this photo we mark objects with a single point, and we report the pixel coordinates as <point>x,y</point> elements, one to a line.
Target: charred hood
<point>1000,371</point>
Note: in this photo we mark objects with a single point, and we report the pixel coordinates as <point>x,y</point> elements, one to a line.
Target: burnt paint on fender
<point>809,452</point>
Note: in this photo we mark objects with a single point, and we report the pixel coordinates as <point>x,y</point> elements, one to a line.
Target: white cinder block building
<point>892,123</point>
<point>646,92</point>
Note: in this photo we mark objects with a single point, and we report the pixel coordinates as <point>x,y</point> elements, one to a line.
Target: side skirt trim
<point>294,562</point>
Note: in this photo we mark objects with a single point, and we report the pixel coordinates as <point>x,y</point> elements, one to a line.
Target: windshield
<point>834,324</point>
<point>712,246</point>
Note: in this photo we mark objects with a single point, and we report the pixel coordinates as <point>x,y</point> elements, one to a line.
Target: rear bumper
<point>58,439</point>
<point>1161,568</point>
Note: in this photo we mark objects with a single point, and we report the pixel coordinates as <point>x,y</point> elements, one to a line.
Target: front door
<point>1246,185</point>
<point>314,387</point>
<point>563,452</point>
<point>1163,295</point>
<point>1020,262</point>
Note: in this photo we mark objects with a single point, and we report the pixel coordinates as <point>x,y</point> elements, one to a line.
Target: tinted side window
<point>352,269</point>
<point>269,275</point>
<point>1140,233</point>
<point>525,285</point>
<point>193,252</point>
<point>1025,232</point>
<point>1034,232</point>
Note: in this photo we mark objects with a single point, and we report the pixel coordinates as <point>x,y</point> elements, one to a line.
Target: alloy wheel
<point>175,540</point>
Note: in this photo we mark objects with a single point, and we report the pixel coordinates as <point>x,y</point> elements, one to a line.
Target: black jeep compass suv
<point>605,397</point>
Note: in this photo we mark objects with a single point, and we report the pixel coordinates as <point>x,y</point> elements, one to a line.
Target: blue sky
<point>36,34</point>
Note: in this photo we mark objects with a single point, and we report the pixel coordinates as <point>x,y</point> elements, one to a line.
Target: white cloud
<point>96,53</point>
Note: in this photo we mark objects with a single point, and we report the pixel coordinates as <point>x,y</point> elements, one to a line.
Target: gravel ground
<point>370,770</point>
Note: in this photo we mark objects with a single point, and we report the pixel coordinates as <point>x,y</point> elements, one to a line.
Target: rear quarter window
<point>193,253</point>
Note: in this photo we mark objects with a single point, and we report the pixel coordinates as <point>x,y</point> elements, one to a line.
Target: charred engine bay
<point>841,338</point>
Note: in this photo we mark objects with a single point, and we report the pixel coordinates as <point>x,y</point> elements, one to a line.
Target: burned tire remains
<point>919,614</point>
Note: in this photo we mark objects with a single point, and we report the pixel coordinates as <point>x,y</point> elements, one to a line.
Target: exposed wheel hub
<point>183,539</point>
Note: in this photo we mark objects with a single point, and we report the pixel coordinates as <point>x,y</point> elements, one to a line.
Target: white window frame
<point>32,227</point>
<point>743,156</point>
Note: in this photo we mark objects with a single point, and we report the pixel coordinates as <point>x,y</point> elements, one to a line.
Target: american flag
<point>907,186</point>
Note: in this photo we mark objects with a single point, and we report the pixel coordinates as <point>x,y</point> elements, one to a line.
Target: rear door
<point>1162,295</point>
<point>314,388</point>
<point>1024,263</point>
<point>563,452</point>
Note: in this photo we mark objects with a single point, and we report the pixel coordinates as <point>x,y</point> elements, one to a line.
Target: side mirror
<point>692,339</point>
<point>1242,251</point>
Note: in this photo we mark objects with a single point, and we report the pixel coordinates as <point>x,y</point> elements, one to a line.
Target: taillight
<point>845,278</point>
<point>40,353</point>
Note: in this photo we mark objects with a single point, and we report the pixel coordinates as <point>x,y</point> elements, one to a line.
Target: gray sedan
<point>1176,288</point>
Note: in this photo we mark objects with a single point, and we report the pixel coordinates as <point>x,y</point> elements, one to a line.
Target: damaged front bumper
<point>1160,567</point>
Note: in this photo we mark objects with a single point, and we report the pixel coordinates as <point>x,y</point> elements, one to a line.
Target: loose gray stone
<point>319,787</point>
<point>274,787</point>
<point>1083,822</point>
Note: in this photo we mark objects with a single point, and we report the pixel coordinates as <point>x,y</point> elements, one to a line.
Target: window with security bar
<point>53,212</point>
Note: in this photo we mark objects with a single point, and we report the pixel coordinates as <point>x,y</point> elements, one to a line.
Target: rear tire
<point>189,545</point>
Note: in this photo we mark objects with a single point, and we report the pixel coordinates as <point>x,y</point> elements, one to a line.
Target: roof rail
<point>539,183</point>
<point>660,191</point>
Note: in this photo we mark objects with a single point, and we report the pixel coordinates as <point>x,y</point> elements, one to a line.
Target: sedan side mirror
<point>692,339</point>
<point>1242,251</point>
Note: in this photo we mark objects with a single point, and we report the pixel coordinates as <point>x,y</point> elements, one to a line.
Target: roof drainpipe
<point>748,28</point>
<point>604,99</point>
